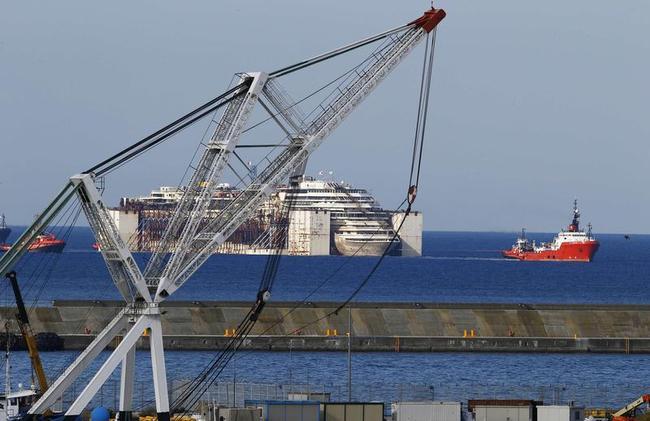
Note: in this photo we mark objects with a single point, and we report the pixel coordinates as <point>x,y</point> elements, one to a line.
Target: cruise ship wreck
<point>326,218</point>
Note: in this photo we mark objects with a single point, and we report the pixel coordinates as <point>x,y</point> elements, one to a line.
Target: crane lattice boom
<point>218,229</point>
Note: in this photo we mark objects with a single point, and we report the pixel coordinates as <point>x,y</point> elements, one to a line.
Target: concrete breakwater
<point>425,327</point>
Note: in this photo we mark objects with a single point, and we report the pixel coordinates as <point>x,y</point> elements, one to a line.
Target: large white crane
<point>193,233</point>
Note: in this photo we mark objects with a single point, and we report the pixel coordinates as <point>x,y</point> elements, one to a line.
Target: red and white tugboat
<point>44,243</point>
<point>572,245</point>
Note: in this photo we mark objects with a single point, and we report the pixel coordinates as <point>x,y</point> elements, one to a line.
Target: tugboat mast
<point>575,223</point>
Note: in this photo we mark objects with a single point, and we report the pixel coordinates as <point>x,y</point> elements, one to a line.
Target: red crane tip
<point>430,19</point>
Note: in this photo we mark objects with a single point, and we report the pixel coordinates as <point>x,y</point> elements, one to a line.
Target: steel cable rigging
<point>197,387</point>
<point>206,378</point>
<point>44,263</point>
<point>216,103</point>
<point>414,175</point>
<point>414,180</point>
<point>273,116</point>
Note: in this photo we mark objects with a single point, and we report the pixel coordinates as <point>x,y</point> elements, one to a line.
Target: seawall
<point>425,327</point>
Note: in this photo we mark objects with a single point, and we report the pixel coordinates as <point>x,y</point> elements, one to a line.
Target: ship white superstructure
<point>358,225</point>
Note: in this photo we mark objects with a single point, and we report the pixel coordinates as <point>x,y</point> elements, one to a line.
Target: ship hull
<point>48,248</point>
<point>55,246</point>
<point>349,247</point>
<point>567,252</point>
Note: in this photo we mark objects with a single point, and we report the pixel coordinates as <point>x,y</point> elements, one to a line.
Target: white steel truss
<point>124,271</point>
<point>140,315</point>
<point>194,204</point>
<point>65,380</point>
<point>132,322</point>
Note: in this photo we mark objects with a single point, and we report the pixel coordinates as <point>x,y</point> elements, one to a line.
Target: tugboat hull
<point>568,252</point>
<point>48,248</point>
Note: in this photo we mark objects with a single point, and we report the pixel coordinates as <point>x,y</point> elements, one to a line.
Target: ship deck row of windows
<point>342,191</point>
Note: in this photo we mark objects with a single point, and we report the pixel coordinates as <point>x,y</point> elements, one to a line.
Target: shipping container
<point>560,413</point>
<point>503,410</point>
<point>426,411</point>
<point>238,414</point>
<point>353,411</point>
<point>287,410</point>
<point>503,413</point>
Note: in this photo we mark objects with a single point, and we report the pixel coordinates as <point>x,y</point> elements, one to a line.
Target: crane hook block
<point>413,192</point>
<point>430,19</point>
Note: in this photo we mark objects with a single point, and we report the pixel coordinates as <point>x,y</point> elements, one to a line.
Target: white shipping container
<point>503,413</point>
<point>560,413</point>
<point>291,411</point>
<point>426,411</point>
<point>239,414</point>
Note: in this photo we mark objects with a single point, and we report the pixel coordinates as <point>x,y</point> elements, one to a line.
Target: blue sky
<point>533,103</point>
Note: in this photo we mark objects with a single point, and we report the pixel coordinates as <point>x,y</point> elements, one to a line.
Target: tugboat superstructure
<point>4,229</point>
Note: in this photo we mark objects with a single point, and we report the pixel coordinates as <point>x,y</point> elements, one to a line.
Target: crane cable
<point>340,78</point>
<point>414,176</point>
<point>136,149</point>
<point>348,259</point>
<point>210,374</point>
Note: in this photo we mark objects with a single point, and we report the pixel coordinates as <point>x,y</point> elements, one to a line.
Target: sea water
<point>455,267</point>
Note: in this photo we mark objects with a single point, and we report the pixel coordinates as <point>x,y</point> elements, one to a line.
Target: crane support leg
<point>126,386</point>
<point>71,374</point>
<point>148,318</point>
<point>109,366</point>
<point>158,367</point>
